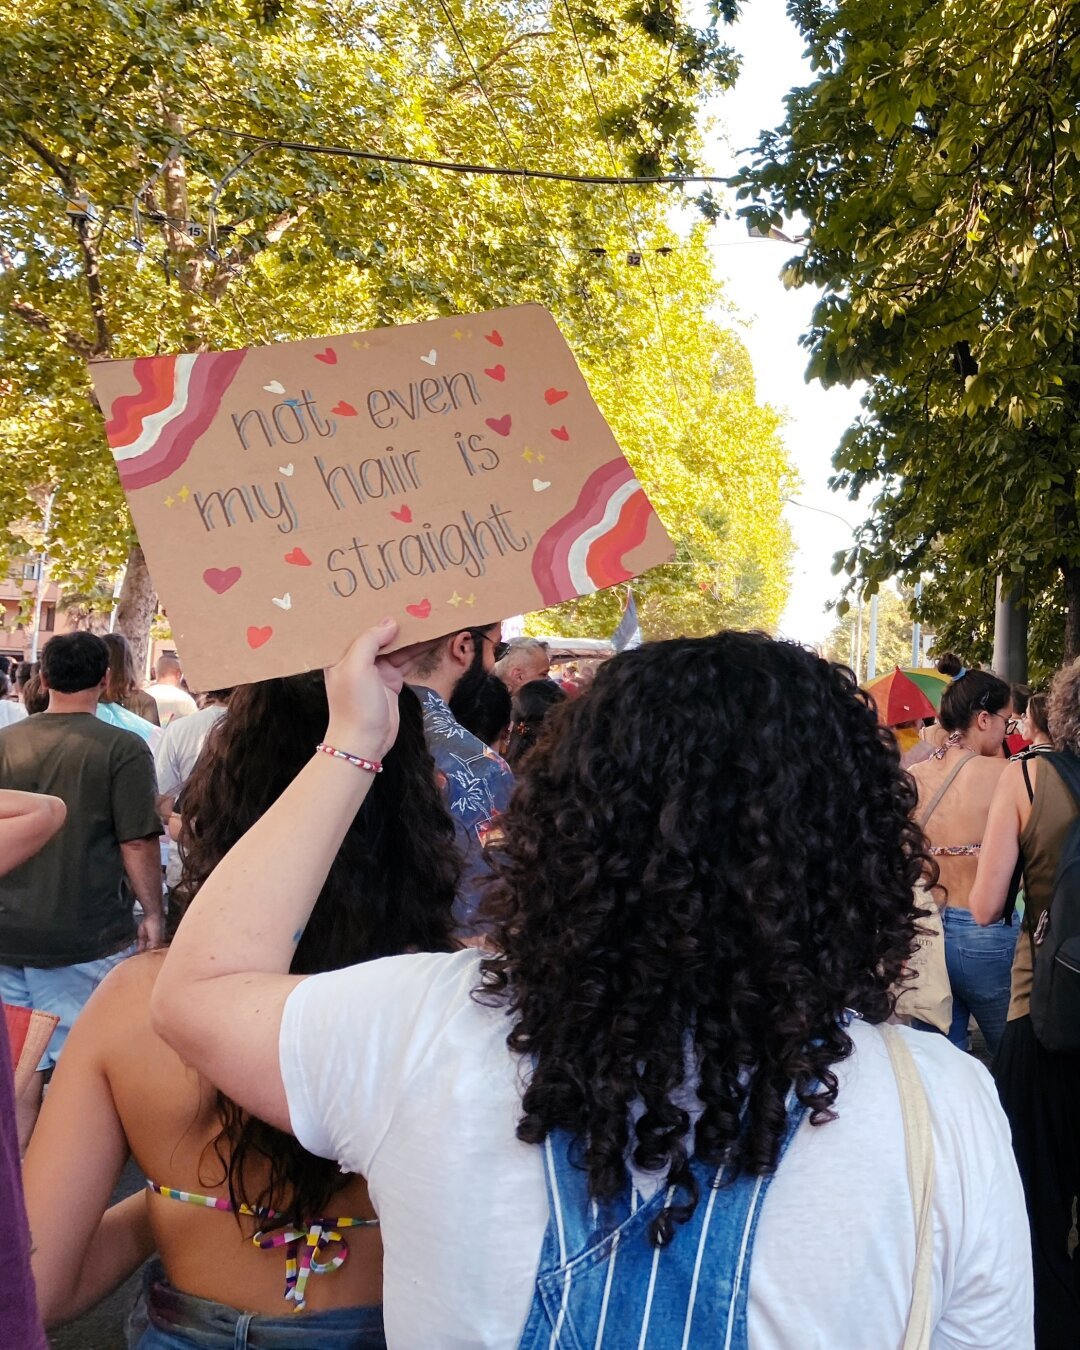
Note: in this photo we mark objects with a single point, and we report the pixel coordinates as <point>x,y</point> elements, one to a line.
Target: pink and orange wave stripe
<point>152,432</point>
<point>584,551</point>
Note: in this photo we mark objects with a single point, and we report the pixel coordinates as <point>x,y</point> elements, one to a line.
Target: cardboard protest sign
<point>447,473</point>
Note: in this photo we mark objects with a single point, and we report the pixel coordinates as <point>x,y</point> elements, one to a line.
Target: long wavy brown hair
<point>708,859</point>
<point>389,890</point>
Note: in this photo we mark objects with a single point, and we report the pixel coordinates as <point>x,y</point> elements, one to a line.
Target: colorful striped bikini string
<point>305,1248</point>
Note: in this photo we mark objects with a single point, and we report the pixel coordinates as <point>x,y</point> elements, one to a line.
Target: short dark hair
<point>486,711</point>
<point>72,662</point>
<point>5,665</point>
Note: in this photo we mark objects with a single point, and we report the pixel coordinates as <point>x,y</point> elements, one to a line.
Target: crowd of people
<point>563,1008</point>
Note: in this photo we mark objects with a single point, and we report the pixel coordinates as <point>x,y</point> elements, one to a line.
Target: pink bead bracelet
<point>358,761</point>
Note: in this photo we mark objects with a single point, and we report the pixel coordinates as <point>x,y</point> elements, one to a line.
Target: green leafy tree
<point>935,157</point>
<point>893,635</point>
<point>142,209</point>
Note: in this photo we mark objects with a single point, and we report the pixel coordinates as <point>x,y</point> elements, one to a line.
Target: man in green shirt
<point>66,915</point>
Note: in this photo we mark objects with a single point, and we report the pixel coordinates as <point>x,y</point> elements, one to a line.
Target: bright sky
<point>775,319</point>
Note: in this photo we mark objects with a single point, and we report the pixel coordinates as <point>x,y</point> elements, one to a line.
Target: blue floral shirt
<point>476,785</point>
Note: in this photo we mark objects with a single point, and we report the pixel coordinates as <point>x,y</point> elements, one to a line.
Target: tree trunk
<point>137,607</point>
<point>1070,574</point>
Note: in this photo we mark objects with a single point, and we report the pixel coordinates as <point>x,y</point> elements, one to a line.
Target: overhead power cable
<point>451,166</point>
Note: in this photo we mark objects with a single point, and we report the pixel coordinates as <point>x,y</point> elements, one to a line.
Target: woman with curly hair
<point>664,1113</point>
<point>290,1217</point>
<point>1031,816</point>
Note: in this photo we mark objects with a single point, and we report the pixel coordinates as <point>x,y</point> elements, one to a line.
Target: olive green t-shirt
<point>71,902</point>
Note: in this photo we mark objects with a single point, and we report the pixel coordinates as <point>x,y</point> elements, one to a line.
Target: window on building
<point>48,618</point>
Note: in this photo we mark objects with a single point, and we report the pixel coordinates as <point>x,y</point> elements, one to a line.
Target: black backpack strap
<point>1027,779</point>
<point>1068,768</point>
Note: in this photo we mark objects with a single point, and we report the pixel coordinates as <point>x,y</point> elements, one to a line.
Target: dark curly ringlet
<point>709,856</point>
<point>389,890</point>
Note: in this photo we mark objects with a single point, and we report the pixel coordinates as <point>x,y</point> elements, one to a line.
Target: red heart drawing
<point>404,514</point>
<point>560,433</point>
<point>257,636</point>
<point>555,395</point>
<point>329,356</point>
<point>420,611</point>
<point>298,558</point>
<point>496,373</point>
<point>219,580</point>
<point>501,425</point>
<point>494,337</point>
<point>344,409</point>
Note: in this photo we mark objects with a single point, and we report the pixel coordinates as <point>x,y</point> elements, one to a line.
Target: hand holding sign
<point>287,496</point>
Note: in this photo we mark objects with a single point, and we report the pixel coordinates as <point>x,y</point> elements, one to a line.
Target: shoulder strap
<point>935,801</point>
<point>919,1147</point>
<point>1027,778</point>
<point>1068,768</point>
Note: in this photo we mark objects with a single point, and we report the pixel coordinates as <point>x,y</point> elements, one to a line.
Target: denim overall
<point>601,1285</point>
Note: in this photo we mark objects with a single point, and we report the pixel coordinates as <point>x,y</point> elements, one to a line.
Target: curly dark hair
<point>389,890</point>
<point>709,857</point>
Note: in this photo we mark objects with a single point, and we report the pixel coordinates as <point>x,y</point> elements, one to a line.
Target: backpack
<point>1055,943</point>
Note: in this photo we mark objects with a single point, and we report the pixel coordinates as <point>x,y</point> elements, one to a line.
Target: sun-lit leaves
<point>198,237</point>
<point>935,156</point>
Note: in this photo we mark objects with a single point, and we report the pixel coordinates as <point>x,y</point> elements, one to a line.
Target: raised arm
<point>1000,847</point>
<point>28,820</point>
<point>219,998</point>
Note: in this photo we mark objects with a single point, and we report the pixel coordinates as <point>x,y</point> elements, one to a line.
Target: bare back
<point>169,1119</point>
<point>959,819</point>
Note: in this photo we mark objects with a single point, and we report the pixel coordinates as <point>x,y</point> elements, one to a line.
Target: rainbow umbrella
<point>899,699</point>
<point>931,682</point>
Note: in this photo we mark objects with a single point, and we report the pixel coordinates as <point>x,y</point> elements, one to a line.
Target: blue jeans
<point>181,1321</point>
<point>979,961</point>
<point>63,990</point>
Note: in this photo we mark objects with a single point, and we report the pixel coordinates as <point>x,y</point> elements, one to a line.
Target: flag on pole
<point>628,634</point>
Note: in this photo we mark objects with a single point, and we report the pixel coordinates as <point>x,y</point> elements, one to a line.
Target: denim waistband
<point>215,1326</point>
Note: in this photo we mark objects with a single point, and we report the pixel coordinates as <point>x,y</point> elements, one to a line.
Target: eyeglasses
<point>499,649</point>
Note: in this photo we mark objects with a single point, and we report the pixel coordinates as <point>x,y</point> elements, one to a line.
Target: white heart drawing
<point>282,601</point>
<point>287,469</point>
<point>539,485</point>
<point>431,357</point>
<point>274,387</point>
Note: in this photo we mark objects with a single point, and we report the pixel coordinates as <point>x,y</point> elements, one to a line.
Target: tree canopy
<point>141,210</point>
<point>893,635</point>
<point>935,156</point>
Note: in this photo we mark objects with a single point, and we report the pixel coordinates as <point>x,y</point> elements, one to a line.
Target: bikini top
<point>305,1248</point>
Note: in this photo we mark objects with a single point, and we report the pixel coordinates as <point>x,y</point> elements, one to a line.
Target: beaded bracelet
<point>371,765</point>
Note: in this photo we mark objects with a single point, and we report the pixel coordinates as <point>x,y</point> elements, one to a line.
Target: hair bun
<point>949,664</point>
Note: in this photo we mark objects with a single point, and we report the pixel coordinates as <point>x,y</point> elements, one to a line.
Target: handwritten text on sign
<point>447,473</point>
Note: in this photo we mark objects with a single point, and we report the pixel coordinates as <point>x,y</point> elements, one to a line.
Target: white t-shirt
<point>11,711</point>
<point>176,754</point>
<point>172,701</point>
<point>394,1071</point>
